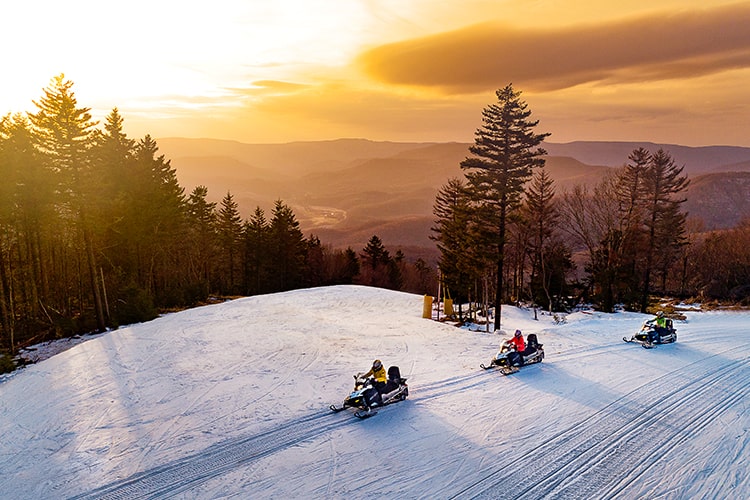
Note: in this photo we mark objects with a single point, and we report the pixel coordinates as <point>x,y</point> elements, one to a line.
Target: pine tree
<point>505,153</point>
<point>29,225</point>
<point>452,228</point>
<point>109,205</point>
<point>375,253</point>
<point>201,215</point>
<point>665,223</point>
<point>257,256</point>
<point>229,226</point>
<point>350,268</point>
<point>542,216</point>
<point>630,195</point>
<point>158,212</point>
<point>377,265</point>
<point>114,153</point>
<point>64,133</point>
<point>287,245</point>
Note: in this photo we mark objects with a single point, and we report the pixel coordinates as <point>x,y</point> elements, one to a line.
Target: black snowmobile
<point>651,335</point>
<point>366,398</point>
<point>509,360</point>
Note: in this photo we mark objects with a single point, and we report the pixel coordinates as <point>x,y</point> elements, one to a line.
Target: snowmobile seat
<point>394,379</point>
<point>532,344</point>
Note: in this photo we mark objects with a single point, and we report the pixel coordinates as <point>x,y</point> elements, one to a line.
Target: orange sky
<point>671,71</point>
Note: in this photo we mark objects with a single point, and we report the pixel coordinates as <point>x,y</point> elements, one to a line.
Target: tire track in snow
<point>598,457</point>
<point>188,472</point>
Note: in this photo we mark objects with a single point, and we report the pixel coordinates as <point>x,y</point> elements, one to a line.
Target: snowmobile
<point>649,331</point>
<point>366,398</point>
<point>505,356</point>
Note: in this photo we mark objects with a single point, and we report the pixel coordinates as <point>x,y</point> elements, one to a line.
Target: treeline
<point>506,236</point>
<point>96,232</point>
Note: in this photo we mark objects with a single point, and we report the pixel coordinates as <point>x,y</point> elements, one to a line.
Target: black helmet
<point>377,365</point>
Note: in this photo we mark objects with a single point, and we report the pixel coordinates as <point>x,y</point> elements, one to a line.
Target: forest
<point>506,236</point>
<point>97,232</point>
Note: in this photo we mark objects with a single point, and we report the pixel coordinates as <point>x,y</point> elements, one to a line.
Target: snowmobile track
<point>600,456</point>
<point>188,472</point>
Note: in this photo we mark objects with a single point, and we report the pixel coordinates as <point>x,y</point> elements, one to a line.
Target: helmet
<point>660,314</point>
<point>518,333</point>
<point>377,365</point>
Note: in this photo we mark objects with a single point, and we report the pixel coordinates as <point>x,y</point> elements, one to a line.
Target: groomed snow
<point>231,401</point>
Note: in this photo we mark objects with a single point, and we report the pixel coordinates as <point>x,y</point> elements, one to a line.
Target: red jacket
<point>520,344</point>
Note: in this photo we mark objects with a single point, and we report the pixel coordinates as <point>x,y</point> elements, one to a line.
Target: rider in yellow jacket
<point>378,373</point>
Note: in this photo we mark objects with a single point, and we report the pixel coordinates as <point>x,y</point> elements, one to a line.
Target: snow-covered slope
<point>231,401</point>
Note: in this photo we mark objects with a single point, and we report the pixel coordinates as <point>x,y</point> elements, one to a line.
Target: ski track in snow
<point>612,440</point>
<point>188,472</point>
<point>598,457</point>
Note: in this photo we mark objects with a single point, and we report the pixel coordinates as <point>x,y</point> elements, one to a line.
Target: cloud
<point>265,87</point>
<point>489,55</point>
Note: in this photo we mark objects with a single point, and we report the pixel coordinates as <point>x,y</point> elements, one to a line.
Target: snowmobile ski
<point>363,414</point>
<point>366,399</point>
<point>650,336</point>
<point>534,353</point>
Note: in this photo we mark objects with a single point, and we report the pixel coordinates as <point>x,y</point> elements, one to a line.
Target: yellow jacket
<point>378,375</point>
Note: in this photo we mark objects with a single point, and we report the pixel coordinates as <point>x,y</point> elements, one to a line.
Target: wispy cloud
<point>484,56</point>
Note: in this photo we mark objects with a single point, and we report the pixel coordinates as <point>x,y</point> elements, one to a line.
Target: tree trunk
<point>500,262</point>
<point>91,262</point>
<point>6,306</point>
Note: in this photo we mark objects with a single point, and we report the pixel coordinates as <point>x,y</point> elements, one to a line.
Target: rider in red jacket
<point>518,341</point>
<point>515,358</point>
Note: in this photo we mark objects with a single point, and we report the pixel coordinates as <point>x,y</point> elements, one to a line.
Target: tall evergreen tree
<point>113,171</point>
<point>377,265</point>
<point>158,209</point>
<point>257,256</point>
<point>542,216</point>
<point>349,269</point>
<point>287,245</point>
<point>629,191</point>
<point>452,228</point>
<point>665,223</point>
<point>229,226</point>
<point>64,133</point>
<point>506,150</point>
<point>201,215</point>
<point>28,228</point>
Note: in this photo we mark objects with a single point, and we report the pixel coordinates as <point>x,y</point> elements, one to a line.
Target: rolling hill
<point>346,190</point>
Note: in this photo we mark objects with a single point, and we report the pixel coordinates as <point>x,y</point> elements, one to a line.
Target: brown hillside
<point>719,200</point>
<point>347,190</point>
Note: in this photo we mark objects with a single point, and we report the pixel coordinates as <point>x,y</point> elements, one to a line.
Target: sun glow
<point>254,70</point>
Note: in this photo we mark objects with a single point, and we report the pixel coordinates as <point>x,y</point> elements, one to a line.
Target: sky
<point>668,71</point>
<point>232,401</point>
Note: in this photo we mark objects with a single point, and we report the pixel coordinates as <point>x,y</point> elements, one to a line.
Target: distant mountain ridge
<point>346,190</point>
<point>696,160</point>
